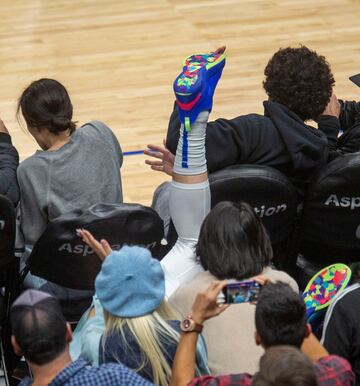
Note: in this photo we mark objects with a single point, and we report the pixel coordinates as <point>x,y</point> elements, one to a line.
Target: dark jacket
<point>341,334</point>
<point>9,161</point>
<point>279,139</point>
<point>349,124</point>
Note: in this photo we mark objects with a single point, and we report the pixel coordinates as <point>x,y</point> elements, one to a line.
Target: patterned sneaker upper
<point>195,86</point>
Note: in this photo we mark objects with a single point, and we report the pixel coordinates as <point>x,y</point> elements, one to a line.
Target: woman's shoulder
<point>34,164</point>
<point>94,129</point>
<point>275,275</point>
<point>99,132</point>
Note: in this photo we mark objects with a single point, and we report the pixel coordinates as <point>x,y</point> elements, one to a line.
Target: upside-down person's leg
<point>190,192</point>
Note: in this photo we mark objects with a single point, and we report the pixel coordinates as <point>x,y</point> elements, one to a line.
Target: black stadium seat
<point>267,190</point>
<point>10,281</point>
<point>60,255</point>
<point>270,193</point>
<point>330,230</point>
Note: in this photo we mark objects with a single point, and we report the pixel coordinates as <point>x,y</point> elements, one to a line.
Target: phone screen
<point>355,79</point>
<point>241,292</point>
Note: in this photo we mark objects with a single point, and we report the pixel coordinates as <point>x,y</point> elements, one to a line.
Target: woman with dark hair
<point>74,169</point>
<point>233,245</point>
<point>233,242</point>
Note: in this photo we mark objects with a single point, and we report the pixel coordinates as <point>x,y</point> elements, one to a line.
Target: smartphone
<point>241,292</point>
<point>355,79</point>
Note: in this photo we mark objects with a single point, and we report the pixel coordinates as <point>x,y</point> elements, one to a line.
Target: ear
<point>16,347</point>
<point>308,330</point>
<point>258,339</point>
<point>69,333</point>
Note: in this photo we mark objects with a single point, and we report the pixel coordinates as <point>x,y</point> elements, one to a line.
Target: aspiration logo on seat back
<point>343,202</point>
<point>264,211</point>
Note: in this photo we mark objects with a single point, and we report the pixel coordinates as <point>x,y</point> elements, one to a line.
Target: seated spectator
<point>234,245</point>
<point>141,328</point>
<point>299,84</point>
<point>75,168</point>
<point>9,161</point>
<point>341,333</point>
<point>280,320</point>
<point>285,366</point>
<point>42,336</point>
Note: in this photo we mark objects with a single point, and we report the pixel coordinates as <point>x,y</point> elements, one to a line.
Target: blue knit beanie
<point>131,283</point>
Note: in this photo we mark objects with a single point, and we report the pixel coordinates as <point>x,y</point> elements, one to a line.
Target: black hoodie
<point>279,139</point>
<point>9,161</point>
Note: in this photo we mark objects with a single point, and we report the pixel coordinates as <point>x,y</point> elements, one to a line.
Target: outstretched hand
<point>102,248</point>
<point>165,157</point>
<point>205,305</point>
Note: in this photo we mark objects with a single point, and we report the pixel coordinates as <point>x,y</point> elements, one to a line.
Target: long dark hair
<point>45,103</point>
<point>233,242</point>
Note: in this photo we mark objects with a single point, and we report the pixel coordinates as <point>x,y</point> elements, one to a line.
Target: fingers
<point>90,240</point>
<point>154,163</point>
<point>156,148</point>
<point>216,286</point>
<point>154,154</point>
<point>262,280</point>
<point>106,246</point>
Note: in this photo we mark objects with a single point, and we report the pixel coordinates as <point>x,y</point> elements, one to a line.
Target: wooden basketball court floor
<point>118,59</point>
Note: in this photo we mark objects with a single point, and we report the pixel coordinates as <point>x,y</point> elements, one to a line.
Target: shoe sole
<point>324,285</point>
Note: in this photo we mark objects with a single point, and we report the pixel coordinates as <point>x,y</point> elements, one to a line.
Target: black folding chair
<point>273,197</point>
<point>9,283</point>
<point>61,257</point>
<point>330,229</point>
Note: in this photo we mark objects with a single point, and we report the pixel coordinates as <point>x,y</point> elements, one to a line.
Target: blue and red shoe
<point>195,86</point>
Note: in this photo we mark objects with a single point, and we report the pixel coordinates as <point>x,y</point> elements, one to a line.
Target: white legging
<point>189,204</point>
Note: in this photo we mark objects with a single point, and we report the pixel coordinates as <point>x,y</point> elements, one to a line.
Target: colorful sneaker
<point>323,286</point>
<point>194,87</point>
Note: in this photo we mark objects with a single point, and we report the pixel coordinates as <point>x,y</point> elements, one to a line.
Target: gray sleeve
<point>99,131</point>
<point>33,180</point>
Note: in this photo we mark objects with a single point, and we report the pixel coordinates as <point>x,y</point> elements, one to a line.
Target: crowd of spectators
<point>161,322</point>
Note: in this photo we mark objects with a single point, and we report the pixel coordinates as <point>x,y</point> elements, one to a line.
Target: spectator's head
<point>233,242</point>
<point>280,317</point>
<point>285,366</point>
<point>131,289</point>
<point>46,107</point>
<point>299,79</point>
<point>39,329</point>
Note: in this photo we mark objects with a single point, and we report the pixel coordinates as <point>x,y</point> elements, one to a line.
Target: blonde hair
<point>148,331</point>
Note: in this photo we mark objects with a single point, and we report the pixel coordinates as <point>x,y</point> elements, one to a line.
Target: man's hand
<point>205,305</point>
<point>3,128</point>
<point>102,248</point>
<point>166,158</point>
<point>333,107</point>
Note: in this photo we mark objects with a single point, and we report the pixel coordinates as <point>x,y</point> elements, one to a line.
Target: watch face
<point>187,323</point>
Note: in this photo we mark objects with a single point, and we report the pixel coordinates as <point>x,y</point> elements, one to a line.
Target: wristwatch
<point>188,325</point>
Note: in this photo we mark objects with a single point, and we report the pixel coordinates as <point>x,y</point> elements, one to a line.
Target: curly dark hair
<point>299,79</point>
